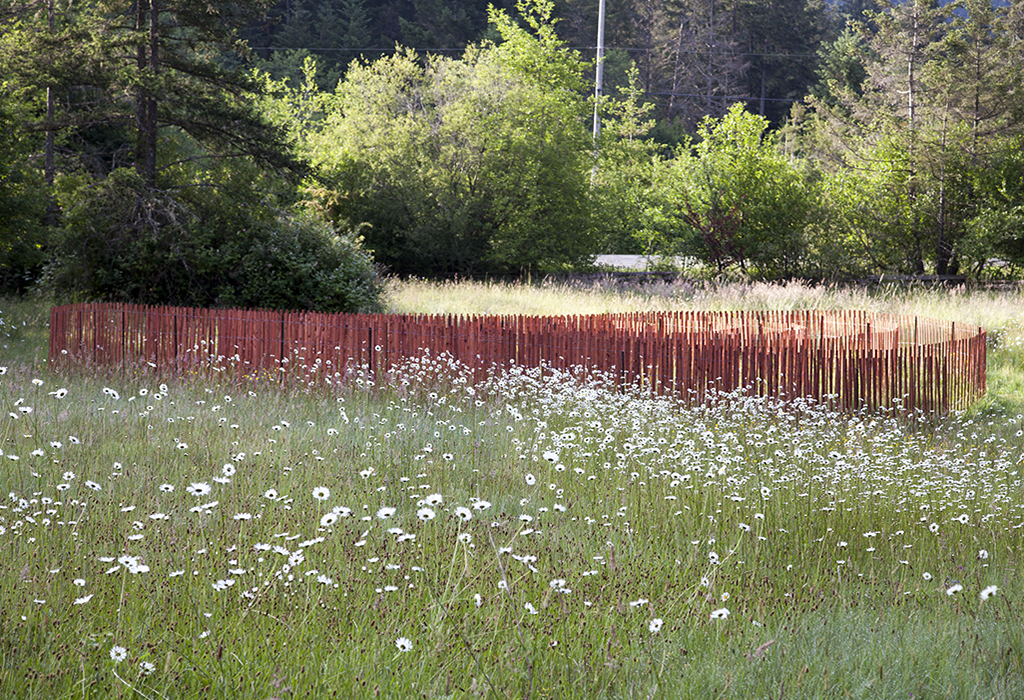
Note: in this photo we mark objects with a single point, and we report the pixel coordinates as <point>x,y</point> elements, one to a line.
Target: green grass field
<point>537,536</point>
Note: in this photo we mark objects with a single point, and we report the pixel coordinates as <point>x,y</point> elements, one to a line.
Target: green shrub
<point>210,246</point>
<point>296,261</point>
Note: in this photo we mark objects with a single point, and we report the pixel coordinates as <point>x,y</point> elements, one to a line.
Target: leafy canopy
<point>465,166</point>
<point>734,199</point>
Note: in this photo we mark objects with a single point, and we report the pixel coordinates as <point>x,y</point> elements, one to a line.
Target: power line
<point>696,52</point>
<point>737,98</point>
<point>572,48</point>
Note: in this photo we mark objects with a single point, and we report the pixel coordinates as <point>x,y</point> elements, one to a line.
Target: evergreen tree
<point>779,40</point>
<point>441,26</point>
<point>939,104</point>
<point>841,71</point>
<point>714,67</point>
<point>126,69</point>
<point>22,211</point>
<point>356,21</point>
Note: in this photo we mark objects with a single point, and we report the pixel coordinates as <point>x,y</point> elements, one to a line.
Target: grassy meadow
<point>539,535</point>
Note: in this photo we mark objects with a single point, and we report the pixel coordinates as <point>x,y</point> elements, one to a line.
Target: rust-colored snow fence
<point>848,359</point>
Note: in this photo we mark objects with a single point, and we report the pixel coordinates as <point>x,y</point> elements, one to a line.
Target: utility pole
<point>51,207</point>
<point>48,158</point>
<point>600,71</point>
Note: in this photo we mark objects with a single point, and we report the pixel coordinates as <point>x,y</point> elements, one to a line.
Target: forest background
<point>257,154</point>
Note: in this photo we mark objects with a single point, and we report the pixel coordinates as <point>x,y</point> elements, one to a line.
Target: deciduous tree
<point>734,200</point>
<point>469,165</point>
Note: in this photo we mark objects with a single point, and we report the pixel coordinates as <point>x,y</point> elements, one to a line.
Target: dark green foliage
<point>215,246</point>
<point>339,32</point>
<point>121,72</point>
<point>296,261</point>
<point>440,24</point>
<point>778,40</point>
<point>22,210</point>
<point>336,32</point>
<point>155,87</point>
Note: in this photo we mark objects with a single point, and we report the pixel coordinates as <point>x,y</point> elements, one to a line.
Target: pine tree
<point>181,80</point>
<point>939,107</point>
<point>780,39</point>
<point>124,70</point>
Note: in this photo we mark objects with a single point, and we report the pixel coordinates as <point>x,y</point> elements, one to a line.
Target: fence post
<point>776,353</point>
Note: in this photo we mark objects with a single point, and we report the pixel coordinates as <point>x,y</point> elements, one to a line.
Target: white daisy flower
<point>198,488</point>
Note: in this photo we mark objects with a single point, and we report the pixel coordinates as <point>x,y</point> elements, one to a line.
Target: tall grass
<point>991,309</point>
<point>999,312</point>
<point>24,330</point>
<point>552,536</point>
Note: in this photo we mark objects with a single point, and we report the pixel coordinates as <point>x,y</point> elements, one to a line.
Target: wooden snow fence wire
<point>848,359</point>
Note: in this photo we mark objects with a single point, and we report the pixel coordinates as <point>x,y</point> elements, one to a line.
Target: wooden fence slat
<point>850,359</point>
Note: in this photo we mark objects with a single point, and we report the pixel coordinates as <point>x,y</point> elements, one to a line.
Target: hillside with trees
<point>286,154</point>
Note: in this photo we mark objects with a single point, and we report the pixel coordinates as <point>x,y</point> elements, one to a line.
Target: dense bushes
<point>297,262</point>
<point>210,246</point>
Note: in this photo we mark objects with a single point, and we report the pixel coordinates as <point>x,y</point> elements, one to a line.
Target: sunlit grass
<point>24,330</point>
<point>990,309</point>
<point>468,297</point>
<point>230,540</point>
<point>999,312</point>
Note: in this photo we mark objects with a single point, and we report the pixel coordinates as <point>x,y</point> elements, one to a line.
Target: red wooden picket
<point>849,358</point>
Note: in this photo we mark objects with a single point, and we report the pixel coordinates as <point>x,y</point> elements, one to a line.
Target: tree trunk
<point>48,167</point>
<point>151,103</point>
<point>145,103</point>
